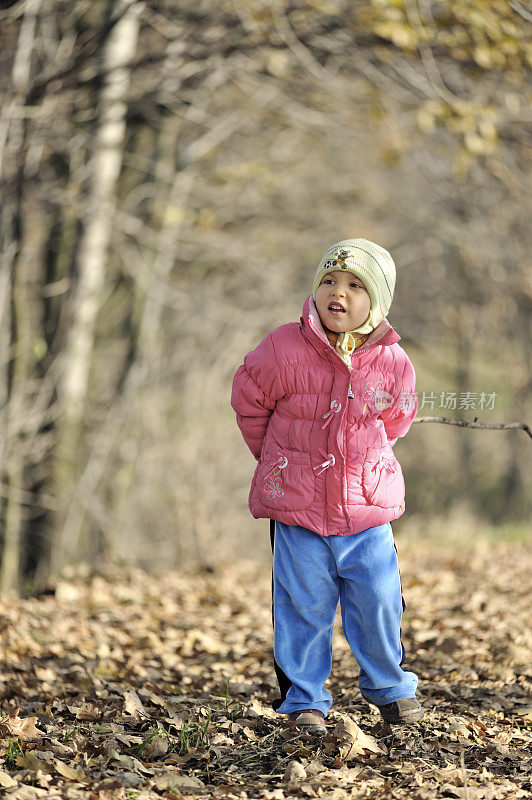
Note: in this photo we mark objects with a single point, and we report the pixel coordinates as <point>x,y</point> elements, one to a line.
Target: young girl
<point>320,405</point>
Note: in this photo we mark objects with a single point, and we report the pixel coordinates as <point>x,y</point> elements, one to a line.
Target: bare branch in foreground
<point>462,423</point>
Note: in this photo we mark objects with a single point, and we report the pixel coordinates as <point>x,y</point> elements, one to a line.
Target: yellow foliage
<point>477,145</point>
<point>278,63</point>
<point>324,7</point>
<point>476,124</point>
<point>39,348</point>
<point>401,34</point>
<point>486,30</point>
<point>174,215</point>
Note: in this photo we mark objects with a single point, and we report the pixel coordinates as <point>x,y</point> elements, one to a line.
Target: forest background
<point>171,173</point>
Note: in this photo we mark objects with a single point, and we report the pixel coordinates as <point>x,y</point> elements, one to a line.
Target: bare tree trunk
<point>94,247</point>
<point>12,388</point>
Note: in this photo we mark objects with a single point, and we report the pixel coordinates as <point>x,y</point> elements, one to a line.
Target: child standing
<point>320,405</point>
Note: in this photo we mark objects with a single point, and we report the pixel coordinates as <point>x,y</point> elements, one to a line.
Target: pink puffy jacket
<point>322,433</point>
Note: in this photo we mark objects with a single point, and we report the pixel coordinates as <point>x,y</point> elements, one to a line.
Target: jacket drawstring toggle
<point>329,462</point>
<point>280,464</point>
<point>336,407</point>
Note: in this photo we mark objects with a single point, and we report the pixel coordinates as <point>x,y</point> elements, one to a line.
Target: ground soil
<point>125,685</point>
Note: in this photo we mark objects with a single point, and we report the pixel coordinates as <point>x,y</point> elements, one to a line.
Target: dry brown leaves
<point>12,725</point>
<point>130,687</point>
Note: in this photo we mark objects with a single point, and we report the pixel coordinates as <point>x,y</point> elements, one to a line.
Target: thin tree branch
<point>462,423</point>
<point>523,12</point>
<point>89,49</point>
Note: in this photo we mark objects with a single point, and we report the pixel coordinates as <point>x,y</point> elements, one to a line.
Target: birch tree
<point>93,252</point>
<point>15,263</point>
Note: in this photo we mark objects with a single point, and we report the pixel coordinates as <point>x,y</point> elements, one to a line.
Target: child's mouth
<point>336,308</point>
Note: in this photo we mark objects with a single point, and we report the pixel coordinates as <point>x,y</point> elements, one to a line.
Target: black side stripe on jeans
<point>284,682</point>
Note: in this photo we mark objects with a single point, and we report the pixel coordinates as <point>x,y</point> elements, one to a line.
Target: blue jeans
<point>311,574</point>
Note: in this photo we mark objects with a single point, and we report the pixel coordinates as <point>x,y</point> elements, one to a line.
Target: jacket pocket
<point>285,480</point>
<point>382,482</point>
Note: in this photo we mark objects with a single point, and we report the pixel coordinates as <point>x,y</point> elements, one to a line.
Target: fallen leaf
<point>458,725</point>
<point>31,761</point>
<point>85,711</point>
<point>171,782</point>
<point>47,675</point>
<point>449,645</point>
<point>69,772</point>
<point>6,780</point>
<point>338,794</point>
<point>256,709</point>
<point>24,792</point>
<point>353,741</point>
<point>25,729</point>
<point>133,704</point>
<point>130,779</point>
<point>153,698</point>
<point>469,792</point>
<point>294,774</point>
<point>315,768</point>
<point>155,748</point>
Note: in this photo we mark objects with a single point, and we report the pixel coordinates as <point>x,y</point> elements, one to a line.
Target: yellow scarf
<point>346,344</point>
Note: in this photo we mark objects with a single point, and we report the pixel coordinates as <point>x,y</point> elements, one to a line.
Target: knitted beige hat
<point>369,262</point>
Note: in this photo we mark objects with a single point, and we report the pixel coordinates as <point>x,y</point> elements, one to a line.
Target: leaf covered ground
<point>126,686</point>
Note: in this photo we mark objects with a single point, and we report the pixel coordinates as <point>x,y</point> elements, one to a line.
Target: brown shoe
<point>309,720</point>
<point>400,712</point>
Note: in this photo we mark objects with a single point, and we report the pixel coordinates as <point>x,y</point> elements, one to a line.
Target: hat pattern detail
<point>337,260</point>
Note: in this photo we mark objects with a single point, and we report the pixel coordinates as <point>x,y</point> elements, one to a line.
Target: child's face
<point>342,301</point>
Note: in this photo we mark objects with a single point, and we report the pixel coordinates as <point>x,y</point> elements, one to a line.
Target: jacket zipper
<point>343,460</point>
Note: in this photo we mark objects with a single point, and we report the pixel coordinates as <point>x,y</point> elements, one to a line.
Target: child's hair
<point>369,262</point>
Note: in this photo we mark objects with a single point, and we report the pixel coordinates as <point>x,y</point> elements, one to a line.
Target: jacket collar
<point>383,334</point>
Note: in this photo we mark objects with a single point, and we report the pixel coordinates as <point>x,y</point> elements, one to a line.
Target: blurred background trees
<point>171,173</point>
